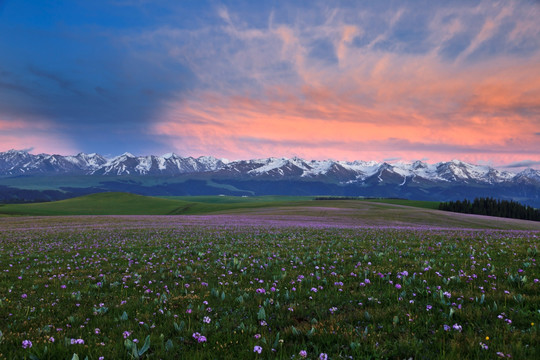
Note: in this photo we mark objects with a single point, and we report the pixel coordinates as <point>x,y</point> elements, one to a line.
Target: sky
<point>344,80</point>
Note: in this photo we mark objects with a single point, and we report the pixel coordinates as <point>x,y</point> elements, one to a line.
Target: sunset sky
<point>345,80</point>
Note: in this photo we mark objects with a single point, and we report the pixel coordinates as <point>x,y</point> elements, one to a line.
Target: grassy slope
<point>114,203</point>
<point>349,212</point>
<point>225,199</point>
<point>98,204</point>
<point>414,203</point>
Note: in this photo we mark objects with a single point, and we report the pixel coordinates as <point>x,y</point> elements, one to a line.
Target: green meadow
<point>359,212</point>
<point>115,203</point>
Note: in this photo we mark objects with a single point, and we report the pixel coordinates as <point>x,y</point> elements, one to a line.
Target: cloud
<point>31,135</point>
<point>376,98</point>
<point>56,78</point>
<point>523,163</point>
<point>437,80</point>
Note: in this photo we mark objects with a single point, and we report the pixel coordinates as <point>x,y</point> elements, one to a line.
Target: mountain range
<point>208,175</point>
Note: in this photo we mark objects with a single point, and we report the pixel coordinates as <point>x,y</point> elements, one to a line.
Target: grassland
<point>414,203</point>
<point>115,203</point>
<point>373,212</point>
<point>281,283</point>
<point>98,204</point>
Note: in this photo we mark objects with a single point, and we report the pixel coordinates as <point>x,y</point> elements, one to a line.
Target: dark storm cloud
<point>70,64</point>
<point>524,163</point>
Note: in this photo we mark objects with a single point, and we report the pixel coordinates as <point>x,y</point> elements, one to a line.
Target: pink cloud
<point>40,136</point>
<point>481,112</point>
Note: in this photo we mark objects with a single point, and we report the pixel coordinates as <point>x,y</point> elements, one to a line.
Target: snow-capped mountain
<point>15,162</point>
<point>168,164</point>
<point>173,175</point>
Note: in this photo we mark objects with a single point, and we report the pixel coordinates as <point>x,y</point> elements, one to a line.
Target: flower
<point>201,339</point>
<point>257,349</point>
<point>207,319</point>
<point>323,356</point>
<point>398,286</point>
<point>257,336</point>
<point>457,327</point>
<point>26,344</point>
<point>303,353</point>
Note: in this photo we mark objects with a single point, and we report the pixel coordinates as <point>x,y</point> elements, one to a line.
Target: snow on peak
<point>169,156</point>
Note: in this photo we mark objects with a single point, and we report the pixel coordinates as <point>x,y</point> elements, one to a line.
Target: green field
<point>114,203</point>
<point>376,212</point>
<point>226,199</point>
<point>98,204</point>
<point>414,203</point>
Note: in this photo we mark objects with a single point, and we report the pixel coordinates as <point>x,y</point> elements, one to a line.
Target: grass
<point>224,287</point>
<point>376,212</point>
<point>98,204</point>
<point>414,203</point>
<point>115,203</point>
<point>226,199</point>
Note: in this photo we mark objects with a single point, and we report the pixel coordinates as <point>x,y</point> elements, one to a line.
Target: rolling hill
<point>274,209</point>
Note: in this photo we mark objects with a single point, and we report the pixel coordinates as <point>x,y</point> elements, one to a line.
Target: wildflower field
<point>231,287</point>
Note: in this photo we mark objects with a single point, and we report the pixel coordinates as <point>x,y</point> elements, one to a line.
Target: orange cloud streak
<point>470,110</point>
<point>371,105</point>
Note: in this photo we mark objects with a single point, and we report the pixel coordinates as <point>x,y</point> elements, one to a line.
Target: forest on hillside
<point>492,207</point>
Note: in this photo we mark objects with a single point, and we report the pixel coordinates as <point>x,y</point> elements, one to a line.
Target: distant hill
<point>118,203</point>
<point>294,210</point>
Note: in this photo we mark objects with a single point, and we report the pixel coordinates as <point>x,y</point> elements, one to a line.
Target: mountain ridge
<point>28,178</point>
<point>18,162</point>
